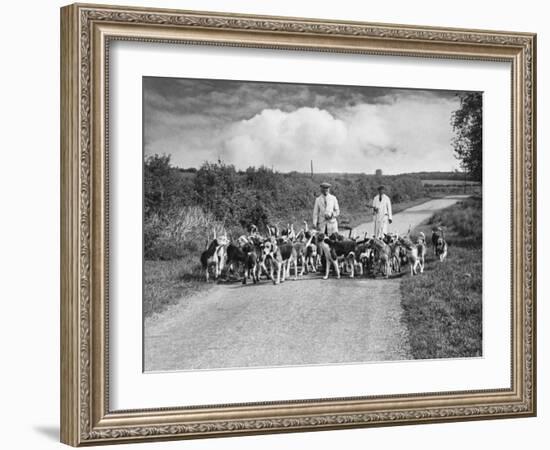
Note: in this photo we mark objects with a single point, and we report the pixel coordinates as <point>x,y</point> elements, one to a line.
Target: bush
<point>179,232</point>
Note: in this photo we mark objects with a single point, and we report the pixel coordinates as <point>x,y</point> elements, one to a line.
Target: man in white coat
<point>381,206</point>
<point>325,211</point>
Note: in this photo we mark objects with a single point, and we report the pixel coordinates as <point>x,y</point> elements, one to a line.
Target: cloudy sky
<point>284,126</point>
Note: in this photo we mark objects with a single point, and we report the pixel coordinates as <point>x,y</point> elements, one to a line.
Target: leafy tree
<point>156,172</point>
<point>467,125</point>
<point>262,178</point>
<point>248,208</point>
<point>165,186</point>
<point>214,186</point>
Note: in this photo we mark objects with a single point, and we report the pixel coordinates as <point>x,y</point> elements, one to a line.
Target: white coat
<point>325,212</point>
<point>382,214</point>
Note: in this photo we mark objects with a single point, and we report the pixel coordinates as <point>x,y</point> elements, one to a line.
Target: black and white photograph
<point>299,224</point>
<point>243,225</point>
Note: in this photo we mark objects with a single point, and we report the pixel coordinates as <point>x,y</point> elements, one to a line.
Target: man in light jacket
<point>381,206</point>
<point>325,211</point>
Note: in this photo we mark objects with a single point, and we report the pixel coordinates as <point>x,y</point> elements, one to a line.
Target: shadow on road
<point>238,284</point>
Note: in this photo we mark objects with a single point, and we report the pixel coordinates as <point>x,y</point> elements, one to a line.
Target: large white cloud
<point>286,126</point>
<point>408,135</point>
<point>285,140</point>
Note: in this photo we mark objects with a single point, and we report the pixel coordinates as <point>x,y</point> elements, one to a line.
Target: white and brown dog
<point>421,250</point>
<point>301,243</point>
<point>280,256</point>
<point>439,243</point>
<point>312,256</point>
<point>382,252</point>
<point>252,265</point>
<point>325,251</point>
<point>412,253</point>
<point>340,250</point>
<point>363,252</point>
<point>214,255</point>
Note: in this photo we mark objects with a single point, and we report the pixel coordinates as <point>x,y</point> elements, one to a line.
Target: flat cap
<point>324,184</point>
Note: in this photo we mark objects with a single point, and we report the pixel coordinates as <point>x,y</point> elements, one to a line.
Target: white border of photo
<point>131,388</point>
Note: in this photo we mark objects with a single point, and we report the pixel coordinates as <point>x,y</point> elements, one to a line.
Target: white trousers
<point>380,226</point>
<point>329,227</point>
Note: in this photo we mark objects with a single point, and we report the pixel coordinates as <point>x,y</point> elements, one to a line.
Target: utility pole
<point>311,165</point>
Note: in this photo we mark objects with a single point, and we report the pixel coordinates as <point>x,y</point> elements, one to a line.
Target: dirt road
<point>308,321</point>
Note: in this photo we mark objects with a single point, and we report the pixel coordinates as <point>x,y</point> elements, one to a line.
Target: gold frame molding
<point>86,31</point>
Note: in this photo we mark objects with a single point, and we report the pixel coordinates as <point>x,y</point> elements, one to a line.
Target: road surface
<point>308,321</point>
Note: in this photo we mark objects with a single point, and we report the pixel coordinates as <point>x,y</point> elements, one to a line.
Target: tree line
<point>260,195</point>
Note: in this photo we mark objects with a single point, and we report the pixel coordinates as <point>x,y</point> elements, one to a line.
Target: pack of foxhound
<point>277,253</point>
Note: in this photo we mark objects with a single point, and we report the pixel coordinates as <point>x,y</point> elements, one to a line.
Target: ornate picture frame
<point>86,34</point>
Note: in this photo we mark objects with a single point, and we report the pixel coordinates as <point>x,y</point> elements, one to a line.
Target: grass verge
<point>166,282</point>
<point>443,306</point>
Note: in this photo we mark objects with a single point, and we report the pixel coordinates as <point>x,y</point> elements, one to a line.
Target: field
<point>443,307</point>
<point>165,282</point>
<point>450,182</point>
<point>451,186</point>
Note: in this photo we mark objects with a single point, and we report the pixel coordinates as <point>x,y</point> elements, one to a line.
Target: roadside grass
<point>443,306</point>
<point>166,282</point>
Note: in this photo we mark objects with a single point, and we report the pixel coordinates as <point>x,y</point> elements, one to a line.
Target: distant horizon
<point>285,125</point>
<point>323,173</point>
